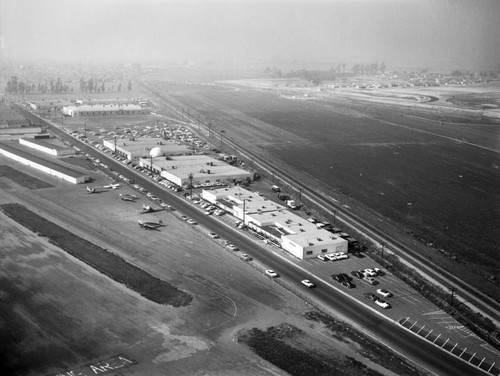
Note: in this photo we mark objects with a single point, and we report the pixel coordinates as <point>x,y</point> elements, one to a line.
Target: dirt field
<point>426,174</point>
<point>60,315</point>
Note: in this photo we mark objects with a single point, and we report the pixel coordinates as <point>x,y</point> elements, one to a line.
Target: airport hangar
<point>295,234</point>
<point>19,153</point>
<point>131,148</point>
<point>103,110</point>
<point>46,147</point>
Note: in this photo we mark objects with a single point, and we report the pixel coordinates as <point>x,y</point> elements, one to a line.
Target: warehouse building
<point>38,162</point>
<point>131,148</point>
<point>46,147</point>
<point>103,110</point>
<point>198,170</point>
<point>293,233</point>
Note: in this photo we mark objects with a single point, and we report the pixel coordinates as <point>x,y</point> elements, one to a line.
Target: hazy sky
<point>402,33</point>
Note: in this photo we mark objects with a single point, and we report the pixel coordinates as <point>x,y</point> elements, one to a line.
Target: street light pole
<point>453,289</point>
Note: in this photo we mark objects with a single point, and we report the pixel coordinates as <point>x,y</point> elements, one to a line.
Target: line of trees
<point>317,76</point>
<point>17,86</point>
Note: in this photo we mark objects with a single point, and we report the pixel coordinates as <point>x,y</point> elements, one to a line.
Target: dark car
<point>341,277</point>
<point>371,296</point>
<point>348,284</point>
<point>358,255</point>
<point>357,274</point>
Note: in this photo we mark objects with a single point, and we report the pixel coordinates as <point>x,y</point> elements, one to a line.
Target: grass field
<point>105,262</point>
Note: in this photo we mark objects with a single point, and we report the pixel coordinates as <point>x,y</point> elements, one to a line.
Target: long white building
<point>103,109</point>
<point>36,161</point>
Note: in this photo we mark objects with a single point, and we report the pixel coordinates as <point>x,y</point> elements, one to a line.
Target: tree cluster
<point>18,87</point>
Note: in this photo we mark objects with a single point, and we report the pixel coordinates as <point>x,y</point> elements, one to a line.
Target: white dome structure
<point>156,152</point>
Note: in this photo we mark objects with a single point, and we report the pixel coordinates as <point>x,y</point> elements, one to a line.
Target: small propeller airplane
<point>91,189</point>
<point>128,197</point>
<point>149,209</point>
<point>112,186</point>
<point>148,225</point>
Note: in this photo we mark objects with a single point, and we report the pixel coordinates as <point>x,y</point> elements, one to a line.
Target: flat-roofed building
<point>132,148</point>
<point>35,160</point>
<point>195,169</point>
<point>103,110</point>
<point>274,222</point>
<point>46,147</point>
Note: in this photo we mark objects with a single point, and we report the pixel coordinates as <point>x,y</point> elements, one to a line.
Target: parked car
<point>379,271</point>
<point>192,221</point>
<point>307,283</point>
<point>385,293</point>
<point>369,273</point>
<point>245,257</point>
<point>348,284</point>
<point>213,235</point>
<point>232,247</point>
<point>323,257</point>
<point>370,296</point>
<point>370,280</point>
<point>272,274</point>
<point>382,303</point>
<point>357,274</point>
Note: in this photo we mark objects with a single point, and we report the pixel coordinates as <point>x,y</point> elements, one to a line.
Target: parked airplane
<point>147,225</point>
<point>149,209</point>
<point>112,186</point>
<point>90,189</point>
<point>128,197</point>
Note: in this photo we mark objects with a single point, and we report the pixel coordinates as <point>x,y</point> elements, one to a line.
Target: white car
<point>369,273</point>
<point>331,257</point>
<point>307,283</point>
<point>245,257</point>
<point>272,274</point>
<point>323,258</point>
<point>164,205</point>
<point>385,293</point>
<point>232,247</point>
<point>382,303</point>
<point>213,235</point>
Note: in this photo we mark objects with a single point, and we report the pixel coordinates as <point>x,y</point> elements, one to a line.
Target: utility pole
<point>453,289</point>
<point>334,216</point>
<point>190,176</point>
<point>383,244</point>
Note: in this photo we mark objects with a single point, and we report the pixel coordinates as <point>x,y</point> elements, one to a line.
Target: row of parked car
<point>336,256</point>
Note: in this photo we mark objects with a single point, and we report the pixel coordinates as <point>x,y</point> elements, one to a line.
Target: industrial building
<point>32,159</point>
<point>273,221</point>
<point>13,125</point>
<point>197,170</point>
<point>131,148</point>
<point>103,110</point>
<point>46,147</point>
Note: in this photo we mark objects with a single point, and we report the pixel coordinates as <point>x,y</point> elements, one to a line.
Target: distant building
<point>103,110</point>
<point>141,147</point>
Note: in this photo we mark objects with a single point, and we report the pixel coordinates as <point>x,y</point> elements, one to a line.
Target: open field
<point>61,315</point>
<point>429,183</point>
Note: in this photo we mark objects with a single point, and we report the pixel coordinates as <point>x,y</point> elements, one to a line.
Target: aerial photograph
<point>250,187</point>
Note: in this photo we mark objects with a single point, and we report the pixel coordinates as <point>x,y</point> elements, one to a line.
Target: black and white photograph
<point>250,187</point>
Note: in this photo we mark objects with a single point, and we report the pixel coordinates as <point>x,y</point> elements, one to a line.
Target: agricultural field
<point>424,172</point>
